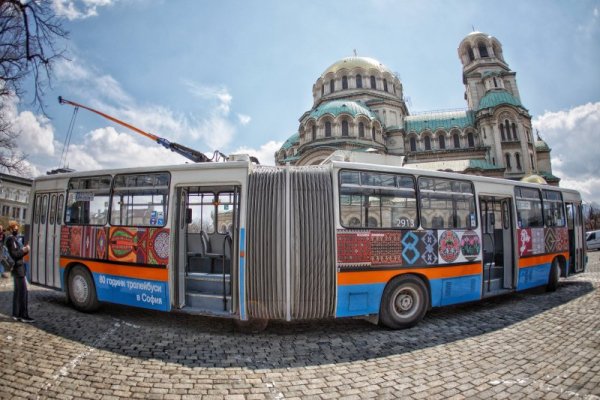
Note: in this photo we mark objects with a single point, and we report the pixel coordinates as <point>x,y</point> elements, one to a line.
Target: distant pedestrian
<point>17,251</point>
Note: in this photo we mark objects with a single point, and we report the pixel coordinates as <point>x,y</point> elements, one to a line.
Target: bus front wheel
<point>404,302</point>
<point>554,276</point>
<point>82,291</point>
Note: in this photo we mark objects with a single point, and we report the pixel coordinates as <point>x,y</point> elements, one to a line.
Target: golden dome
<point>350,63</point>
<point>533,178</point>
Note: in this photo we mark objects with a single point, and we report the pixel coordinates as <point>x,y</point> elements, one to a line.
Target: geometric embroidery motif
<point>429,247</point>
<point>537,238</point>
<point>410,253</point>
<point>386,248</point>
<point>353,248</point>
<point>550,240</point>
<point>470,245</point>
<point>449,246</point>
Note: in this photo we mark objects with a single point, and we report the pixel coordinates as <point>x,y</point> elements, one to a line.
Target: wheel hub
<point>80,289</point>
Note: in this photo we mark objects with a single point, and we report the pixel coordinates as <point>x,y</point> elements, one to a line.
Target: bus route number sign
<point>84,196</point>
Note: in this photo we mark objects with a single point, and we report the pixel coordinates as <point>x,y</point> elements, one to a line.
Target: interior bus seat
<point>197,244</point>
<point>219,245</point>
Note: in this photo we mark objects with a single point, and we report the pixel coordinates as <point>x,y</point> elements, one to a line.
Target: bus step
<point>207,302</point>
<point>207,283</point>
<point>494,285</point>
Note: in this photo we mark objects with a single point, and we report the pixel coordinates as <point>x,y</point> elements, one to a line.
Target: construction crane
<point>190,154</point>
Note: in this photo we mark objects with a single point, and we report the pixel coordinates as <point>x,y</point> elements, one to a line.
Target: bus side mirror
<point>188,216</point>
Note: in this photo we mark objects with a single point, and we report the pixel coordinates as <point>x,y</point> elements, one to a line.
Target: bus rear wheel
<point>404,302</point>
<point>554,276</point>
<point>82,291</point>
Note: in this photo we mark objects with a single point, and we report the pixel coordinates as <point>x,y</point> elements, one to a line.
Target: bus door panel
<point>180,245</point>
<point>46,239</point>
<point>507,239</point>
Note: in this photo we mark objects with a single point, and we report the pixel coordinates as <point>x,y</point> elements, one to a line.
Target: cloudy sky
<point>236,75</point>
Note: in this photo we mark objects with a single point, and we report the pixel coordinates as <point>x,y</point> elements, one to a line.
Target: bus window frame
<point>518,197</point>
<point>562,207</point>
<point>377,191</point>
<point>131,191</point>
<point>451,194</point>
<point>78,190</point>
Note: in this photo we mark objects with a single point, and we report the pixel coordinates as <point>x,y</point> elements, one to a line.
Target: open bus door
<point>498,245</point>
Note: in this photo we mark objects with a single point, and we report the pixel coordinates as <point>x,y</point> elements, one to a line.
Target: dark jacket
<point>15,249</point>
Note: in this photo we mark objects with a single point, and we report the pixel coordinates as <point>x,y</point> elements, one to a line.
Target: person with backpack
<point>17,252</point>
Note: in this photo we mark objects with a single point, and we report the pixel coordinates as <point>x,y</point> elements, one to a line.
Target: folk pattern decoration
<point>139,245</point>
<point>83,241</point>
<point>403,248</point>
<point>535,241</point>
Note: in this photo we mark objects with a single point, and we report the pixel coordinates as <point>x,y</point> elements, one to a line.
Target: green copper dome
<point>497,97</point>
<point>337,107</point>
<point>292,140</point>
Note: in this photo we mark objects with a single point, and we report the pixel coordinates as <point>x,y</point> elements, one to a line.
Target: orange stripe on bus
<point>155,274</point>
<point>539,260</point>
<point>360,277</point>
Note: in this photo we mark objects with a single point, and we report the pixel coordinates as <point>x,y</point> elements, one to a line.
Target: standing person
<point>17,252</point>
<point>3,273</point>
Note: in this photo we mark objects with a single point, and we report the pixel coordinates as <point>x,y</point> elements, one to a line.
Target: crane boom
<point>190,154</point>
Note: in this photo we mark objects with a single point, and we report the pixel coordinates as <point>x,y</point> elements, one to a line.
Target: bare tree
<point>30,32</point>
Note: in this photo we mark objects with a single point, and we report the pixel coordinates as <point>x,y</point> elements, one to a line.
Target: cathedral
<point>358,106</point>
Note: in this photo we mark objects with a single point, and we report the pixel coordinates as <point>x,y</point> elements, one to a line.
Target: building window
<point>344,82</point>
<point>361,129</point>
<point>427,143</point>
<point>518,161</point>
<point>385,87</point>
<point>314,132</point>
<point>359,81</point>
<point>532,163</point>
<point>456,141</point>
<point>322,90</point>
<point>502,132</point>
<point>507,156</point>
<point>331,86</point>
<point>495,83</point>
<point>344,128</point>
<point>507,129</point>
<point>471,54</point>
<point>327,129</point>
<point>471,139</point>
<point>373,82</point>
<point>442,141</point>
<point>413,144</point>
<point>373,133</point>
<point>483,51</point>
<point>514,131</point>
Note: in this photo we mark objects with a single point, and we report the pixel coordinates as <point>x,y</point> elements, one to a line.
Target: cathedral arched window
<point>344,128</point>
<point>514,131</point>
<point>456,141</point>
<point>471,54</point>
<point>518,161</point>
<point>331,86</point>
<point>507,157</point>
<point>427,143</point>
<point>483,51</point>
<point>413,144</point>
<point>507,129</point>
<point>373,133</point>
<point>361,129</point>
<point>314,132</point>
<point>495,83</point>
<point>502,132</point>
<point>385,87</point>
<point>442,141</point>
<point>322,90</point>
<point>471,139</point>
<point>359,81</point>
<point>327,129</point>
<point>373,82</point>
<point>344,82</point>
<point>532,163</point>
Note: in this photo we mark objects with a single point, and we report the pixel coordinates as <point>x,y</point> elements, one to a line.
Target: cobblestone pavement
<point>524,345</point>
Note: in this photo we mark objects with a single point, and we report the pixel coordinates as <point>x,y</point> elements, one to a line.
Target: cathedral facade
<point>358,106</point>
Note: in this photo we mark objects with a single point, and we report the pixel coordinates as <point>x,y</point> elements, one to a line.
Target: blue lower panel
<point>132,292</point>
<point>359,299</point>
<point>533,276</point>
<point>455,290</point>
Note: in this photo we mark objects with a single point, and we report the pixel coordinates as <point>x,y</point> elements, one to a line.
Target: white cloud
<point>244,119</point>
<point>79,9</point>
<point>573,136</point>
<point>265,154</point>
<point>219,93</point>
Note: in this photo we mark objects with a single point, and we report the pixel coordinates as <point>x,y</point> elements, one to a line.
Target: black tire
<point>554,276</point>
<point>404,303</point>
<point>82,291</point>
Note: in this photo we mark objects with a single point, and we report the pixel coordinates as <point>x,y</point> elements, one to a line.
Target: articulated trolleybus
<point>256,243</point>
